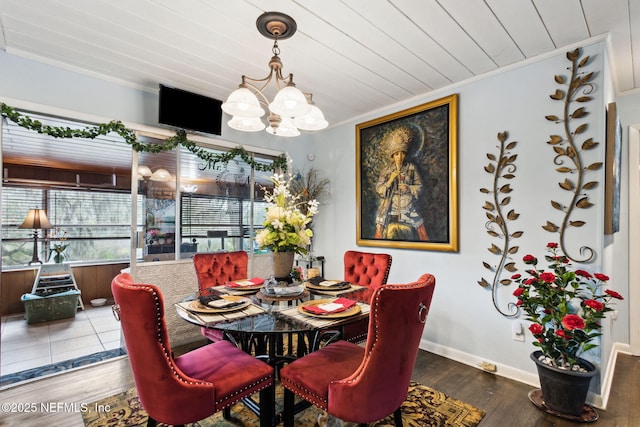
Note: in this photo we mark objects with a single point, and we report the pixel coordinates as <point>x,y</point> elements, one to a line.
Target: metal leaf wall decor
<point>501,167</point>
<point>574,91</point>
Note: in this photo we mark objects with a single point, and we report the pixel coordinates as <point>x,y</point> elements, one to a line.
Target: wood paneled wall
<point>94,281</point>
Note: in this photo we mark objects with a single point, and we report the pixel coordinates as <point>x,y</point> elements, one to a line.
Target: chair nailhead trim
<point>266,381</point>
<point>260,382</point>
<point>321,402</point>
<point>165,350</point>
<point>315,399</point>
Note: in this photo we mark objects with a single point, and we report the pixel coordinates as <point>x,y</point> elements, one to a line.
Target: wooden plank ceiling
<point>356,56</point>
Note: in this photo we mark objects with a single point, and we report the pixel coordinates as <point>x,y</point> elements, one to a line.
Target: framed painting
<point>613,157</point>
<point>406,183</point>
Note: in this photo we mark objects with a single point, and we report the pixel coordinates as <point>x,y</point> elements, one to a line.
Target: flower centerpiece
<point>59,237</point>
<point>286,227</point>
<point>565,306</point>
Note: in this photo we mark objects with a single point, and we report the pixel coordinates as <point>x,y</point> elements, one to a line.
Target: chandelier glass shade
<point>243,103</point>
<point>246,124</point>
<point>284,128</point>
<point>291,109</point>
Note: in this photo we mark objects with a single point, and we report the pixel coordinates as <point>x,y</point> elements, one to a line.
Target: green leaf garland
<point>129,136</point>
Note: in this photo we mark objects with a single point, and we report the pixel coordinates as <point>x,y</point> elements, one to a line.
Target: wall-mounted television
<point>189,111</point>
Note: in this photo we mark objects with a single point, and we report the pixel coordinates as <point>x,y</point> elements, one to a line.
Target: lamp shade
<point>246,124</point>
<point>36,218</point>
<point>285,128</point>
<point>313,120</point>
<point>162,175</point>
<point>144,171</point>
<point>290,102</point>
<point>243,103</point>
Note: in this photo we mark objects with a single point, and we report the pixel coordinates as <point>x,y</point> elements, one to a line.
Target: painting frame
<point>415,207</point>
<point>613,171</point>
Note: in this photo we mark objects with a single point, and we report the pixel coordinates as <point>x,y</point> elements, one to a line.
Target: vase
<point>564,392</point>
<point>58,258</point>
<point>282,264</point>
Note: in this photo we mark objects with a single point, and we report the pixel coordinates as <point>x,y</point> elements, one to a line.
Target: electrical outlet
<point>517,333</point>
<point>517,336</point>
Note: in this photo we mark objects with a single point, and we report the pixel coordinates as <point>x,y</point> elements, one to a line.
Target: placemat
<point>212,319</point>
<point>321,323</point>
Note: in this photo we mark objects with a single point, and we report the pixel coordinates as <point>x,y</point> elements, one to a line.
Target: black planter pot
<point>564,392</point>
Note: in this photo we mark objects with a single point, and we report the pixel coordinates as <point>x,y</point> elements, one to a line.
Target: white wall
<point>628,107</point>
<point>31,81</point>
<point>463,322</point>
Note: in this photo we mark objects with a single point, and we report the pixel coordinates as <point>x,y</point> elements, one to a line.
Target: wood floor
<point>505,401</point>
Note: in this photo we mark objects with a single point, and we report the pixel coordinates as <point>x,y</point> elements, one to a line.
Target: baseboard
<point>607,378</point>
<point>597,400</point>
<point>475,361</point>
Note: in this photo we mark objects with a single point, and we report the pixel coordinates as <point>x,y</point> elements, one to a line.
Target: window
<point>216,201</point>
<point>85,187</point>
<point>219,223</point>
<point>97,224</point>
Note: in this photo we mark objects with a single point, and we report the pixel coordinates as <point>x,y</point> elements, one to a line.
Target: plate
<point>284,291</point>
<point>242,290</point>
<point>199,308</point>
<point>340,286</point>
<point>247,288</point>
<point>348,312</point>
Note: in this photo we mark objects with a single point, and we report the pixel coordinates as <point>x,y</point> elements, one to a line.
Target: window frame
<point>203,141</point>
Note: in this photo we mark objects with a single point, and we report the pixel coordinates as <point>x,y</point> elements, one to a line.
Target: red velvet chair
<point>365,269</point>
<point>194,385</point>
<point>363,385</point>
<point>215,269</point>
<point>218,268</point>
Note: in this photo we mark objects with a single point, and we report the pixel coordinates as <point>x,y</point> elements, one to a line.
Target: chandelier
<point>291,109</point>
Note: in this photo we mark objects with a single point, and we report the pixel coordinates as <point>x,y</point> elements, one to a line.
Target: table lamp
<point>36,219</point>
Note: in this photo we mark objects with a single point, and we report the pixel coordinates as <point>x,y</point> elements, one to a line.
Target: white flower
<point>285,225</point>
<point>313,206</point>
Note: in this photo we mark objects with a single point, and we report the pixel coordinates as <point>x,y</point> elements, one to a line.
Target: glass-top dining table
<point>278,330</point>
<point>265,326</point>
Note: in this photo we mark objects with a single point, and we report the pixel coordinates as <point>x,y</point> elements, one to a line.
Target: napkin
<point>224,303</point>
<point>244,283</point>
<point>328,283</point>
<point>336,306</point>
<point>206,299</point>
<point>321,281</point>
<point>316,280</point>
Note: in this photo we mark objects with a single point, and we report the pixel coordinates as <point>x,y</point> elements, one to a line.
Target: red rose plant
<point>564,306</point>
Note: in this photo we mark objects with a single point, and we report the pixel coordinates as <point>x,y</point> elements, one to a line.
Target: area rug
<point>53,368</point>
<point>424,407</point>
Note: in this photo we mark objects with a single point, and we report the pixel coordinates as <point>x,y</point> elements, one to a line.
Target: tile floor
<point>24,346</point>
